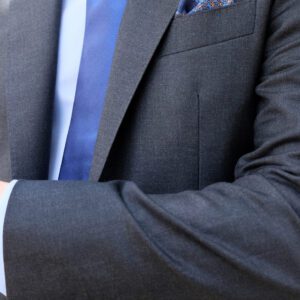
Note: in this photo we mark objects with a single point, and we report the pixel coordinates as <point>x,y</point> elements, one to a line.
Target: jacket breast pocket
<point>206,28</point>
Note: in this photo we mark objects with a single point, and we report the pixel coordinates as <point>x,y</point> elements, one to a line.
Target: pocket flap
<point>205,28</point>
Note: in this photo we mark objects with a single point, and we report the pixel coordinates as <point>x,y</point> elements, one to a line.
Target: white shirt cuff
<point>3,206</point>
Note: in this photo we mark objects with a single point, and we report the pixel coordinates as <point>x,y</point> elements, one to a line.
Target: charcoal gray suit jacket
<point>194,192</point>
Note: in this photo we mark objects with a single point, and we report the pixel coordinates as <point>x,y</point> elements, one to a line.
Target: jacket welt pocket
<point>206,28</point>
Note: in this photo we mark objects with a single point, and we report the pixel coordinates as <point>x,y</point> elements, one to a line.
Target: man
<point>189,187</point>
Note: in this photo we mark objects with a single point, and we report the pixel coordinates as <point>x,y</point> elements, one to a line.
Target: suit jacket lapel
<point>30,69</point>
<point>142,28</point>
<point>30,66</point>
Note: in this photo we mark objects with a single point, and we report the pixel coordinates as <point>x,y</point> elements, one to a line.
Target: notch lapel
<point>29,78</point>
<point>142,28</point>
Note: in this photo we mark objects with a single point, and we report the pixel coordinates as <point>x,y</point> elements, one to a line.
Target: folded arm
<point>236,240</point>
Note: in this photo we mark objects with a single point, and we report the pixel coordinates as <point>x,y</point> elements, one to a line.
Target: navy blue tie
<point>103,18</point>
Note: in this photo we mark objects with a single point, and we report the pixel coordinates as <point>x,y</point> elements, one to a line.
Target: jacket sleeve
<point>230,240</point>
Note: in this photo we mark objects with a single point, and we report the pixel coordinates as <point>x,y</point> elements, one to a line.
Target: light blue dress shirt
<point>70,49</point>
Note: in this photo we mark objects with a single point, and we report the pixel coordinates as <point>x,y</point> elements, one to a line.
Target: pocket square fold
<point>187,7</point>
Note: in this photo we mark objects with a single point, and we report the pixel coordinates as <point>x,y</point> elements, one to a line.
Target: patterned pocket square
<point>187,7</point>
